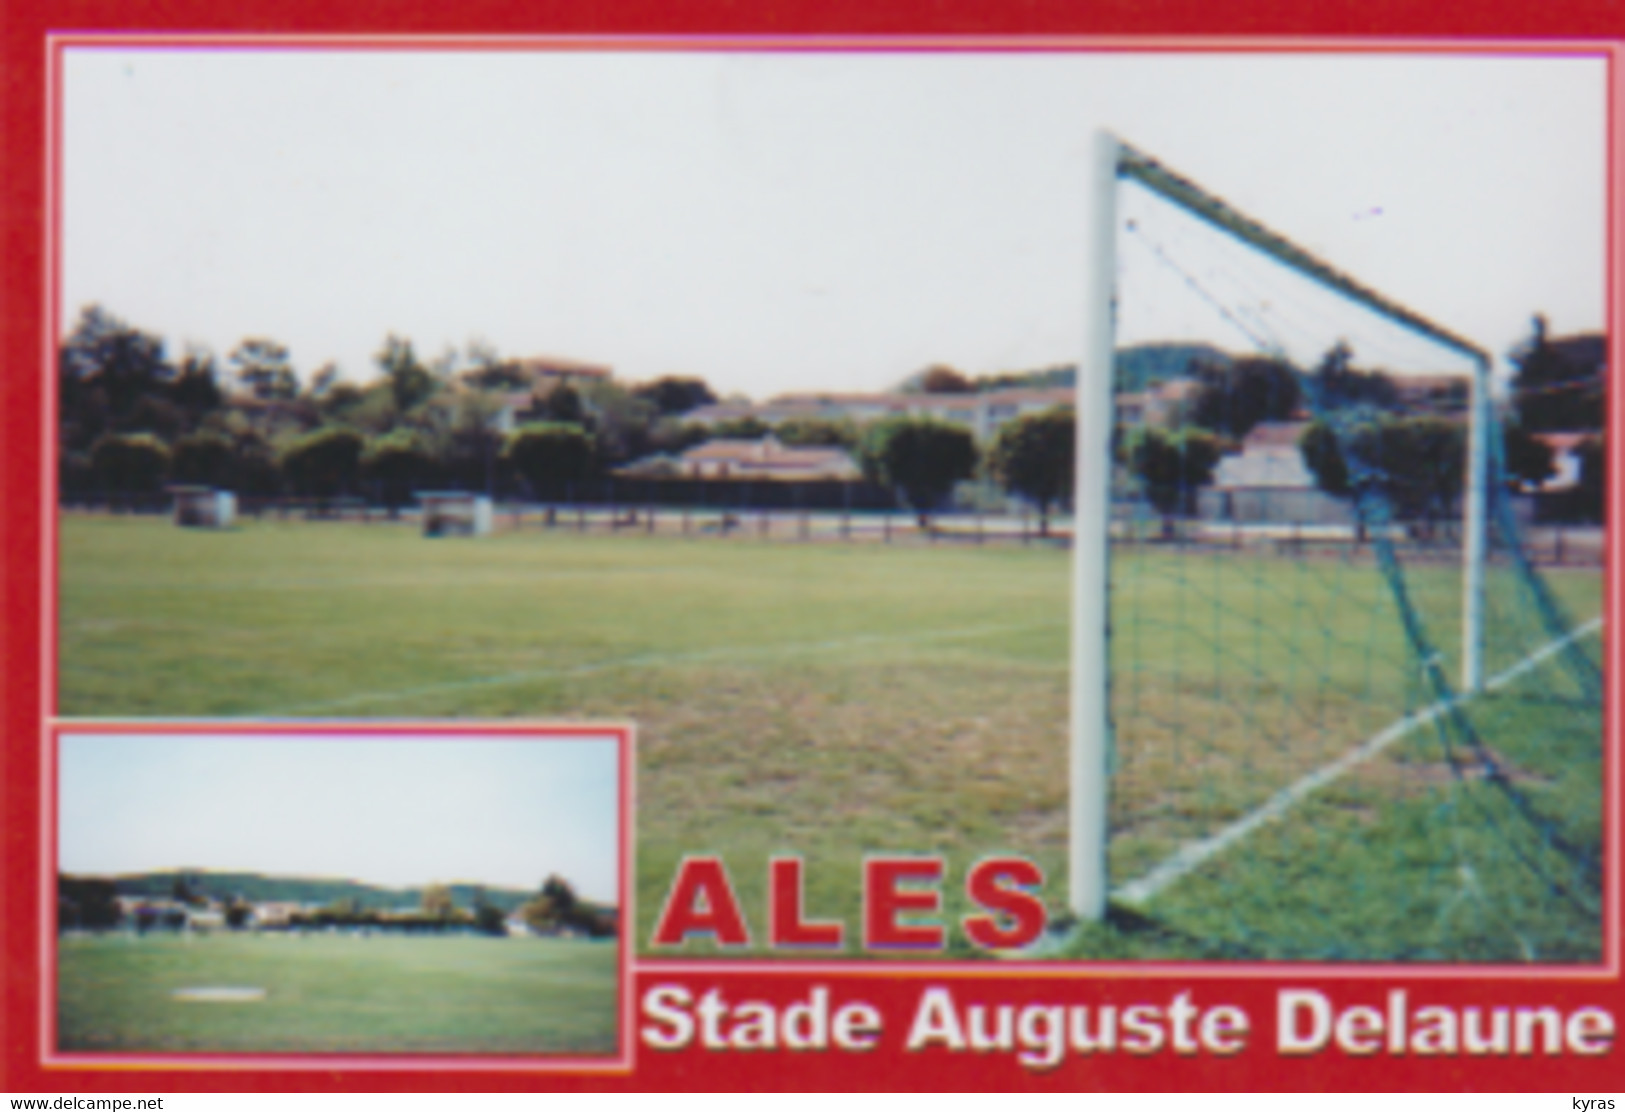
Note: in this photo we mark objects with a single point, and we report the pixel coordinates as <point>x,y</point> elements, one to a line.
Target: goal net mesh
<point>1297,771</point>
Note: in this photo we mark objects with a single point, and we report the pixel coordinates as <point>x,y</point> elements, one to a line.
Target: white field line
<point>657,660</point>
<point>1192,855</point>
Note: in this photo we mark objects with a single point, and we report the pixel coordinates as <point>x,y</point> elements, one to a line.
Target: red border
<point>619,734</point>
<point>28,322</point>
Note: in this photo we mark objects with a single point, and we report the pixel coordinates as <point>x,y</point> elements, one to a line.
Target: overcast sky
<point>389,811</point>
<point>778,221</point>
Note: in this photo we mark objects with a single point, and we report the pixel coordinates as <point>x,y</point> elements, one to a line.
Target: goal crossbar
<point>1181,191</point>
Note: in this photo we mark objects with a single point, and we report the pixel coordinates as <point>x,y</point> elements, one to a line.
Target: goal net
<point>1328,705</point>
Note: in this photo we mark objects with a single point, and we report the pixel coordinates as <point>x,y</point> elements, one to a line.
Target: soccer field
<point>829,700</point>
<point>332,993</point>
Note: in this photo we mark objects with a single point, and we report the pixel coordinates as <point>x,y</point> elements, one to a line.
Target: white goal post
<point>1091,723</point>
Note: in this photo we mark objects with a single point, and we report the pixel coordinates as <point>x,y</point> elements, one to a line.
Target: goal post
<point>1091,726</point>
<point>1090,756</point>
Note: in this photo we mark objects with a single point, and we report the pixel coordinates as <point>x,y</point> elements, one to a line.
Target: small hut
<point>455,514</point>
<point>201,507</point>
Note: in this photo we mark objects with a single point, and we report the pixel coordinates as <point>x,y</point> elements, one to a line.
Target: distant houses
<point>96,904</point>
<point>763,460</point>
<point>1565,449</point>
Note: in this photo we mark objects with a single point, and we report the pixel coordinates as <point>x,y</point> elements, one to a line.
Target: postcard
<point>648,560</point>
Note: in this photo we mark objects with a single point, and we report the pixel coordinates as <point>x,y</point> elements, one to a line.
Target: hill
<point>1138,366</point>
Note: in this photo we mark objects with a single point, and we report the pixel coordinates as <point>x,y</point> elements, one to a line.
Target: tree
<point>1417,464</point>
<point>204,458</point>
<point>437,902</point>
<point>473,446</point>
<point>89,903</point>
<point>488,917</point>
<point>255,470</point>
<point>816,432</point>
<point>129,463</point>
<point>1529,459</point>
<point>1335,384</point>
<point>1555,389</point>
<point>556,905</point>
<point>561,892</point>
<point>1173,467</point>
<point>748,427</point>
<point>939,378</point>
<point>563,403</point>
<point>323,463</point>
<point>196,390</point>
<point>325,378</point>
<point>1323,455</point>
<point>1423,462</point>
<point>1034,456</point>
<point>263,369</point>
<point>673,395</point>
<point>397,463</point>
<point>156,414</point>
<point>339,399</point>
<point>675,436</point>
<point>1593,455</point>
<point>919,457</point>
<point>123,361</point>
<point>410,382</point>
<point>105,367</point>
<point>1237,396</point>
<point>549,454</point>
<point>620,423</point>
<point>182,890</point>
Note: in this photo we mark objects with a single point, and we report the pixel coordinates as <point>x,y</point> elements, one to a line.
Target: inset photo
<point>319,891</point>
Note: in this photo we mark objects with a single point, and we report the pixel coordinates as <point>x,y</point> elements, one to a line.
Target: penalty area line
<point>1193,855</point>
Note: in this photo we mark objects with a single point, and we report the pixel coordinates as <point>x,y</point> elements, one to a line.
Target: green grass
<point>328,994</point>
<point>839,700</point>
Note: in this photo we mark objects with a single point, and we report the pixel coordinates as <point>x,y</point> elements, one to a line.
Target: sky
<point>387,811</point>
<point>796,221</point>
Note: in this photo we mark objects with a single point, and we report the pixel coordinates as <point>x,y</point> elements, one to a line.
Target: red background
<point>1221,23</point>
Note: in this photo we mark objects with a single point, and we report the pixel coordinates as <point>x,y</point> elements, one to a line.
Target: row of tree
<point>91,903</point>
<point>131,421</point>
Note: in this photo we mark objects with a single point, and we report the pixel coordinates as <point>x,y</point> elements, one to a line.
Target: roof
<point>554,365</point>
<point>1176,389</point>
<point>765,451</point>
<point>1563,441</point>
<point>720,411</point>
<point>762,459</point>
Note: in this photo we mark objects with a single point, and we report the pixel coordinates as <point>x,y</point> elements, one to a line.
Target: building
<point>1269,459</point>
<point>1565,448</point>
<point>756,460</point>
<point>1268,483</point>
